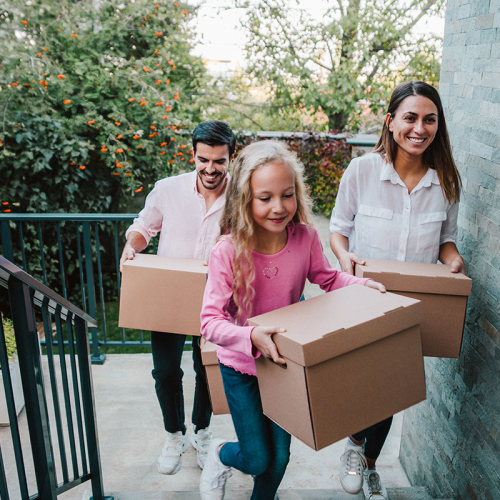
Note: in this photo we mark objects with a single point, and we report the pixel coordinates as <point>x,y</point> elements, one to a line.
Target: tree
<point>95,101</point>
<point>357,50</point>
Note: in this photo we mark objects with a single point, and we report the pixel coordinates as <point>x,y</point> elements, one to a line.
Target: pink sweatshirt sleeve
<point>217,325</point>
<point>323,274</point>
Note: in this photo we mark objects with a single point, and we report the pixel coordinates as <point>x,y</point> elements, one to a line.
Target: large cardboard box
<point>353,358</point>
<point>214,377</point>
<point>443,295</point>
<point>164,294</point>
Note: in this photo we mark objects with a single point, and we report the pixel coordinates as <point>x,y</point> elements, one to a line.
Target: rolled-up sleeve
<point>150,218</point>
<point>449,226</point>
<point>346,203</point>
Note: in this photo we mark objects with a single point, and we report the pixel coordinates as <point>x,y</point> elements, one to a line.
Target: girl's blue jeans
<point>263,448</point>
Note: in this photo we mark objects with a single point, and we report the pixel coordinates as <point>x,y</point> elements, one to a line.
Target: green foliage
<point>95,101</point>
<point>325,159</point>
<point>10,339</point>
<point>354,51</point>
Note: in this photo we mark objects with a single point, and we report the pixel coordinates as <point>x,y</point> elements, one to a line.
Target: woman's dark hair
<point>214,133</point>
<point>438,155</point>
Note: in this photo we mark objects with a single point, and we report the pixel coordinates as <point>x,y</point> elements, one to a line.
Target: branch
<point>242,103</point>
<point>5,114</point>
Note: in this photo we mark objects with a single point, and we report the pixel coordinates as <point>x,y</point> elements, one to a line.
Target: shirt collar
<point>388,173</point>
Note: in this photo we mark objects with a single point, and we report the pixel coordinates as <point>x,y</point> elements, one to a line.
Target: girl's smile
<point>274,203</point>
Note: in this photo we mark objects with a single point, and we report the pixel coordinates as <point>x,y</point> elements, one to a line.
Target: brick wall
<point>451,442</point>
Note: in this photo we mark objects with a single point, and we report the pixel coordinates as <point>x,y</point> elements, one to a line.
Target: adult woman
<point>398,203</point>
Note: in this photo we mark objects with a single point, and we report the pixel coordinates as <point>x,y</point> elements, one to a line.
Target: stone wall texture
<point>451,442</point>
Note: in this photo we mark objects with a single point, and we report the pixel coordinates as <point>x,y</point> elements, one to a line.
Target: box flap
<point>209,354</point>
<point>171,263</point>
<point>415,277</point>
<point>338,322</point>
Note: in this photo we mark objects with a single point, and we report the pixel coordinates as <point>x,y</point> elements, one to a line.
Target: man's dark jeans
<point>167,351</point>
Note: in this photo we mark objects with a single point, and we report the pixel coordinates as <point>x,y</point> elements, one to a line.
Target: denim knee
<point>256,464</point>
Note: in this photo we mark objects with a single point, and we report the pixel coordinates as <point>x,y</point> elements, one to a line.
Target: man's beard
<point>214,186</point>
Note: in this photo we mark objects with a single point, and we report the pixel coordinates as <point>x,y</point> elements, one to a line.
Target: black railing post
<point>30,364</point>
<point>85,371</point>
<point>97,358</point>
<point>7,250</point>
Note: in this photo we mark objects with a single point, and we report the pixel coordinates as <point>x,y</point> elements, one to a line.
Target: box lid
<point>415,277</point>
<point>337,322</point>
<point>170,263</point>
<point>209,354</point>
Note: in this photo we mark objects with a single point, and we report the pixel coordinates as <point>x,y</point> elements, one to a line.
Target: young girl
<point>261,264</point>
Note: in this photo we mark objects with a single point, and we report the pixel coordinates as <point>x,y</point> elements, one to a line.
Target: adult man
<point>186,209</point>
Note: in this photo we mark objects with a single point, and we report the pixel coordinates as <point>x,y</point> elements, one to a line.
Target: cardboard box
<point>163,294</point>
<point>443,295</point>
<point>354,358</point>
<point>214,377</point>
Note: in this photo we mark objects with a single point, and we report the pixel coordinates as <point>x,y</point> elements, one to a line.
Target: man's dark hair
<point>214,133</point>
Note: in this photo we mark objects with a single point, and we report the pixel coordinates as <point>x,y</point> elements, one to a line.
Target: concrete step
<point>419,493</point>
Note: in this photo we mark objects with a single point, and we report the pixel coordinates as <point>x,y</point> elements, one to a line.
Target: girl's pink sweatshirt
<point>279,282</point>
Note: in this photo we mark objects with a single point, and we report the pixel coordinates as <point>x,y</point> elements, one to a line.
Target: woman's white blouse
<point>382,221</point>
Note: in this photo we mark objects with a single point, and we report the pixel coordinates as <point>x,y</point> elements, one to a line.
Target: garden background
<point>99,98</point>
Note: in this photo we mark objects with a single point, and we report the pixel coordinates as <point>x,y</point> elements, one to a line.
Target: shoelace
<point>356,462</point>
<point>373,481</point>
<point>219,480</point>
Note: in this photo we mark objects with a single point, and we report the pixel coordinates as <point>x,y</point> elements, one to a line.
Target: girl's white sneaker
<point>170,459</point>
<point>215,474</point>
<point>373,487</point>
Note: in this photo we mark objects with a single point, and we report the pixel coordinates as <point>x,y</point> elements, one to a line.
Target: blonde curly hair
<point>237,220</point>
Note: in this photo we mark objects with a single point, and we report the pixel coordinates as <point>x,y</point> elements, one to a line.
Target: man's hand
<point>348,260</point>
<point>127,254</point>
<point>376,285</point>
<point>261,339</point>
<point>135,243</point>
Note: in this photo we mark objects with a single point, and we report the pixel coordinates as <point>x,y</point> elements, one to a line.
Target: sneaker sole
<point>352,492</point>
<point>163,470</point>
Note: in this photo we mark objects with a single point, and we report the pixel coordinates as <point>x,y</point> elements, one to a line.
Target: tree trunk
<point>337,121</point>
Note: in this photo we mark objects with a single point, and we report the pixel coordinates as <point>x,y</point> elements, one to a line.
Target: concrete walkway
<point>131,436</point>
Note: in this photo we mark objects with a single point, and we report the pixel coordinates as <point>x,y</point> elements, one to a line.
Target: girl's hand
<point>348,260</point>
<point>376,285</point>
<point>458,266</point>
<point>261,339</point>
<point>203,341</point>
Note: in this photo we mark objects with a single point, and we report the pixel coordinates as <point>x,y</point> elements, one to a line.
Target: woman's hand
<point>458,265</point>
<point>448,254</point>
<point>203,341</point>
<point>348,260</point>
<point>261,339</point>
<point>376,285</point>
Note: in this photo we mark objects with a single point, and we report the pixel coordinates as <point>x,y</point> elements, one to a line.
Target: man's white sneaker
<point>215,474</point>
<point>170,459</point>
<point>373,487</point>
<point>201,441</point>
<point>352,465</point>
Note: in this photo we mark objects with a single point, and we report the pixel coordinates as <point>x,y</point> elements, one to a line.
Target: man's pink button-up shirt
<point>177,209</point>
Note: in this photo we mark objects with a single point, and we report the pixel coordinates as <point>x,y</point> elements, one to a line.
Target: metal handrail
<point>76,217</point>
<point>89,253</point>
<point>76,426</point>
<point>8,270</point>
